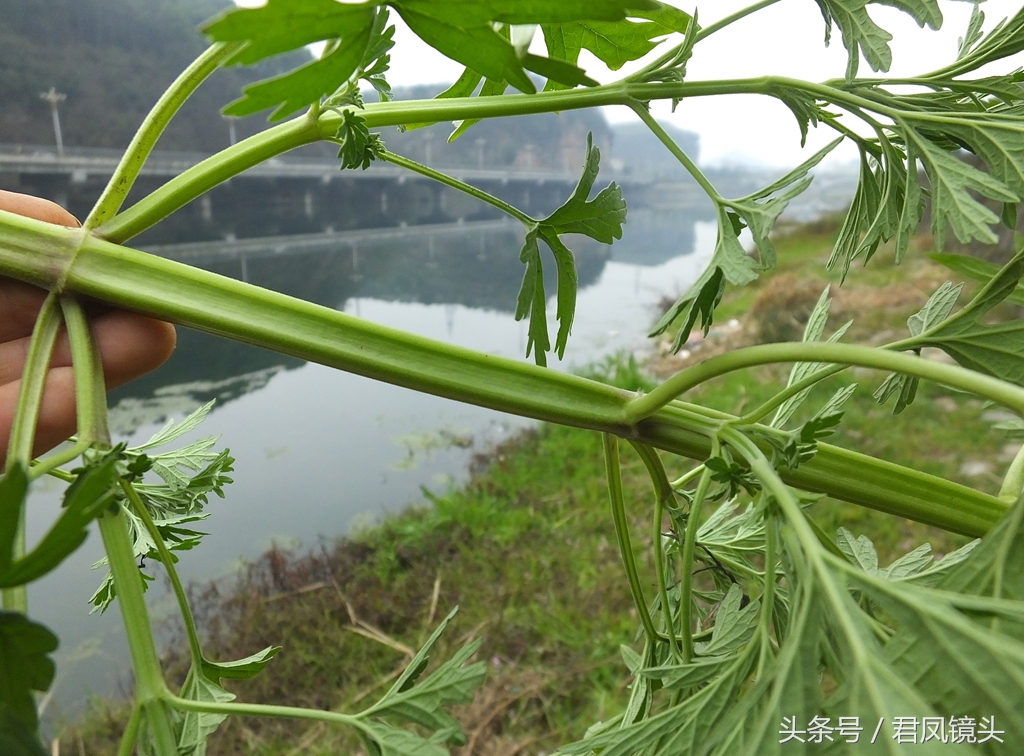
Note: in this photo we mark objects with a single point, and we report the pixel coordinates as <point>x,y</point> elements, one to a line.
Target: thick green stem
<point>462,186</point>
<point>611,461</point>
<point>149,683</point>
<point>156,121</point>
<point>845,354</point>
<point>41,254</point>
<point>23,428</point>
<point>663,496</point>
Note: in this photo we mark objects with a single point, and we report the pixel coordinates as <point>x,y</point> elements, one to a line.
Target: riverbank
<point>526,547</point>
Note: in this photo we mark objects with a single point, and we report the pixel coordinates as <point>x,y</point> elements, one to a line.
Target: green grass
<point>526,549</point>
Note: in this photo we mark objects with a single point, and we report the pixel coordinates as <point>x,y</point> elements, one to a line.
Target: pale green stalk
<point>611,461</point>
<point>765,354</point>
<point>663,495</point>
<point>152,127</point>
<point>1013,481</point>
<point>23,428</point>
<point>90,388</point>
<point>686,567</point>
<point>462,186</point>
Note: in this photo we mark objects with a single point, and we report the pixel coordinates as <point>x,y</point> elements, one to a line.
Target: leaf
<point>862,35</point>
<point>171,432</point>
<point>476,47</point>
<point>615,43</point>
<point>422,701</point>
<point>973,34</point>
<point>243,669</point>
<point>601,219</point>
<point>730,262</point>
<point>860,551</point>
<point>17,738</point>
<point>910,564</point>
<point>86,498</point>
<point>343,56</point>
<point>734,625</point>
<point>357,146</point>
<point>979,270</point>
<point>997,350</point>
<point>196,727</point>
<point>952,181</point>
<point>25,666</point>
<point>935,311</point>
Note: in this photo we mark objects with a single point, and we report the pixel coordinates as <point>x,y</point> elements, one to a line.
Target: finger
<point>130,345</point>
<point>19,306</point>
<point>35,207</point>
<point>56,415</point>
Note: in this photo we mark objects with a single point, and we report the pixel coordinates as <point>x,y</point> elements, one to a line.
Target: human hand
<point>130,344</point>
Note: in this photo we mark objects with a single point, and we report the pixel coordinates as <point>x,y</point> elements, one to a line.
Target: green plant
<point>760,621</point>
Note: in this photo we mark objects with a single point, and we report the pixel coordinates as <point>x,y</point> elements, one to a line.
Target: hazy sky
<point>785,39</point>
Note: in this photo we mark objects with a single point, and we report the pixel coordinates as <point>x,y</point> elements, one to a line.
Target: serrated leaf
<point>242,669</point>
<point>394,741</point>
<point>25,666</point>
<point>196,727</point>
<point>936,309</point>
<point>172,431</point>
<point>973,34</point>
<point>860,551</point>
<point>734,626</point>
<point>357,146</point>
<point>615,43</point>
<point>979,270</point>
<point>952,181</point>
<point>910,564</point>
<point>601,219</point>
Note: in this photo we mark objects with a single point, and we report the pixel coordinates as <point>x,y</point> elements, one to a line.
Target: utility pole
<point>54,98</point>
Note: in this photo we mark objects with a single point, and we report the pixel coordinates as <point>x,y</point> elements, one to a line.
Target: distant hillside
<point>635,149</point>
<point>113,59</point>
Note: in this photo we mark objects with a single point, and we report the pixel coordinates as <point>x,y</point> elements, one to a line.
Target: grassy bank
<point>526,548</point>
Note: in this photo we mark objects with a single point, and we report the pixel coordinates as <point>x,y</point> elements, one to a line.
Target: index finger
<point>35,207</point>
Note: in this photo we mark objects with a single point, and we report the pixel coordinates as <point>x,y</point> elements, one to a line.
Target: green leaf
<point>346,51</point>
<point>25,666</point>
<point>979,270</point>
<point>17,738</point>
<point>615,43</point>
<point>952,181</point>
<point>357,146</point>
<point>476,47</point>
<point>422,701</point>
<point>13,491</point>
<point>860,551</point>
<point>394,741</point>
<point>734,624</point>
<point>730,262</point>
<point>196,727</point>
<point>862,35</point>
<point>601,219</point>
<point>86,498</point>
<point>996,350</point>
<point>973,34</point>
<point>243,669</point>
<point>910,564</point>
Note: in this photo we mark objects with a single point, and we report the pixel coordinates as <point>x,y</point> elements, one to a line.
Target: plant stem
<point>90,388</point>
<point>663,495</point>
<point>33,381</point>
<point>23,427</point>
<point>1013,481</point>
<point>131,732</point>
<point>686,574</point>
<point>612,470</point>
<point>44,466</point>
<point>200,178</point>
<point>846,354</point>
<point>462,186</point>
<point>40,253</point>
<point>149,683</point>
<point>167,559</point>
<point>156,121</point>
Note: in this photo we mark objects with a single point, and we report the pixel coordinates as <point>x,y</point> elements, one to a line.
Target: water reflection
<point>469,265</point>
